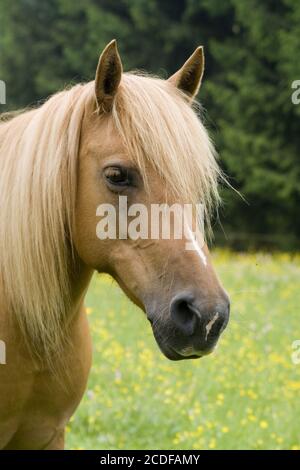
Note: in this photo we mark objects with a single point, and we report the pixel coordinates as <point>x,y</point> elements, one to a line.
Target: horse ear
<point>108,76</point>
<point>188,78</point>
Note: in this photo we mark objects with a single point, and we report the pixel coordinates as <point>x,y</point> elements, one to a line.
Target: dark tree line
<point>252,57</point>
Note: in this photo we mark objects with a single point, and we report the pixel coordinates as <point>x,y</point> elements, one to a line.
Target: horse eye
<point>117,176</point>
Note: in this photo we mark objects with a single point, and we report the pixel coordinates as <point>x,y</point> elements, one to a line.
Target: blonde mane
<point>38,180</point>
<point>158,125</point>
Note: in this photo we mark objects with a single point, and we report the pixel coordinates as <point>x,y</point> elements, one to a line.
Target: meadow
<point>246,395</point>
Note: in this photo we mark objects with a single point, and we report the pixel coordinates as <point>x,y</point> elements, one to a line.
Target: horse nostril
<point>185,315</point>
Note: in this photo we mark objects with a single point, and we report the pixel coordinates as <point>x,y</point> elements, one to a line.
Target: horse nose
<point>184,314</point>
<point>203,323</point>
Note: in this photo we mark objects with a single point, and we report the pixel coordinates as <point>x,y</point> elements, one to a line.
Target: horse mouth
<point>174,354</point>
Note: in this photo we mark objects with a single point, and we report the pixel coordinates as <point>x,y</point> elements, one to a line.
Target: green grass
<point>244,396</point>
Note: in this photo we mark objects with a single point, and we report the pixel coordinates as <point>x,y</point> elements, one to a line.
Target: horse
<point>130,134</point>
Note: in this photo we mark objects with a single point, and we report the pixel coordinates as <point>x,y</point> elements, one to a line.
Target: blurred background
<point>246,394</point>
<point>252,50</point>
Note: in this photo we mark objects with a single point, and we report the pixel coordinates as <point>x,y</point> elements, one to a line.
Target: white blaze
<point>194,245</point>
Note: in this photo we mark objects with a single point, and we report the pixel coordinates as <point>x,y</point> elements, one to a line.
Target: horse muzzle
<point>191,328</point>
